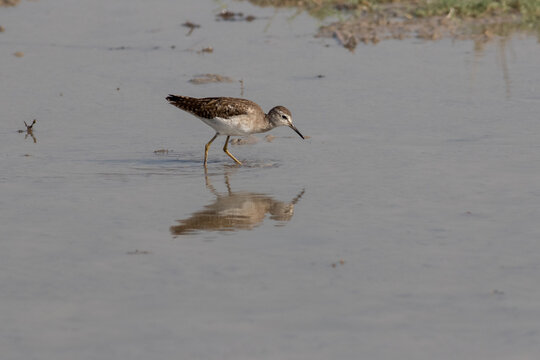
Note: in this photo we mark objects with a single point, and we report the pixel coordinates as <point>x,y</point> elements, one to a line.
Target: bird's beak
<point>296,130</point>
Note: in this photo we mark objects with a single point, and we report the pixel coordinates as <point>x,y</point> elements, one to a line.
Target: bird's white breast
<point>235,126</point>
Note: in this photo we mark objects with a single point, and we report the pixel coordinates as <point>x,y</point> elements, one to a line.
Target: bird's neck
<point>268,124</point>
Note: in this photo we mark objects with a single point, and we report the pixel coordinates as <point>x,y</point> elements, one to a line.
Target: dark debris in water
<point>29,130</point>
<point>207,49</point>
<point>209,78</point>
<point>226,15</point>
<point>28,127</point>
<point>191,26</point>
<point>249,140</point>
<point>120,48</point>
<point>340,262</point>
<point>163,151</point>
<point>138,252</point>
<point>124,48</point>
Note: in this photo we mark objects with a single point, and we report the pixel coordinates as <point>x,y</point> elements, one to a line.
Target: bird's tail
<point>185,103</point>
<point>177,100</point>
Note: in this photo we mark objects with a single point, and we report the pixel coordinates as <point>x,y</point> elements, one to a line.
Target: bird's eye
<point>284,117</point>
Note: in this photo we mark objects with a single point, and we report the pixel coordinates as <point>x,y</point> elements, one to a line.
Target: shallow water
<point>420,175</point>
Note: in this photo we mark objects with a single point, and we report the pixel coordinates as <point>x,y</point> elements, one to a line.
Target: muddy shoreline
<point>395,23</point>
<point>370,23</point>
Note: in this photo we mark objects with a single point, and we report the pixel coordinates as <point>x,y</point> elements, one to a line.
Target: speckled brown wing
<point>210,108</point>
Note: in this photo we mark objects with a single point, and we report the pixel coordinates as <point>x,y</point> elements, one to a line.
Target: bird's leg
<point>227,151</point>
<point>207,146</point>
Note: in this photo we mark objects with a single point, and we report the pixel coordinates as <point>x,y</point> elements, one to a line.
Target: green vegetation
<point>529,10</point>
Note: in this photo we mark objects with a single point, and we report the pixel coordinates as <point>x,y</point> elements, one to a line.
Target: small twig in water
<point>191,27</point>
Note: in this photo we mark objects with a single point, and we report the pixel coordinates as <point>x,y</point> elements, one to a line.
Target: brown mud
<point>9,2</point>
<point>364,23</point>
<point>393,22</point>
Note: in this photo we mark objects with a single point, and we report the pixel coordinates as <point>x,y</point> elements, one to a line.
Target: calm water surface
<point>405,224</point>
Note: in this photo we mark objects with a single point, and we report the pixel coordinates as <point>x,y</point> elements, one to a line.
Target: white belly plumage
<point>233,126</point>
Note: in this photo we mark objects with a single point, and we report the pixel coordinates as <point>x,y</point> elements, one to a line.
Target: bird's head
<point>281,116</point>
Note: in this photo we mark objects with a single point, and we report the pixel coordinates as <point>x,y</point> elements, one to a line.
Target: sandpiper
<point>233,117</point>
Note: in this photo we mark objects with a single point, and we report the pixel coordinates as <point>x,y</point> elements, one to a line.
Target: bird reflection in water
<point>233,211</point>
